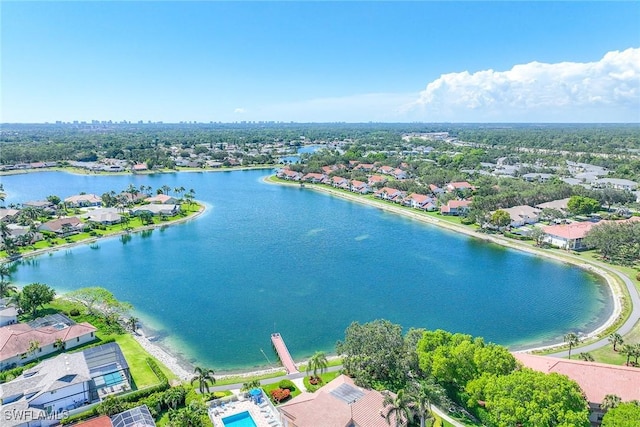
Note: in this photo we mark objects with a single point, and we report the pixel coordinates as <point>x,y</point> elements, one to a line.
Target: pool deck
<point>264,416</point>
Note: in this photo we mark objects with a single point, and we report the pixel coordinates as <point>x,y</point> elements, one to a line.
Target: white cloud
<point>606,90</point>
<point>239,111</point>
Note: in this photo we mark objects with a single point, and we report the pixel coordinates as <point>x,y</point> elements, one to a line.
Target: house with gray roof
<point>618,184</point>
<point>44,394</point>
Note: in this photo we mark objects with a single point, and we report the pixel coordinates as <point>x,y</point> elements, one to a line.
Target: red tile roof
<point>102,421</point>
<point>575,230</point>
<point>595,379</point>
<point>324,409</point>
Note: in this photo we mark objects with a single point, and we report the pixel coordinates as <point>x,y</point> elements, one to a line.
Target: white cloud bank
<point>604,91</point>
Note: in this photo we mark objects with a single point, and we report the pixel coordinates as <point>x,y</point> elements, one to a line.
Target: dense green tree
<point>95,298</point>
<point>34,296</point>
<point>194,415</point>
<point>500,218</point>
<point>627,350</point>
<point>626,414</point>
<point>375,354</point>
<point>580,205</point>
<point>204,377</point>
<point>529,398</point>
<point>174,397</point>
<point>617,242</point>
<point>455,359</point>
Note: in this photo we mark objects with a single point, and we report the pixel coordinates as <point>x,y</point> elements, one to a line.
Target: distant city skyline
<point>171,62</point>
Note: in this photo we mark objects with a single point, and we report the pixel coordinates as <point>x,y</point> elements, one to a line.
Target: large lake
<point>267,257</point>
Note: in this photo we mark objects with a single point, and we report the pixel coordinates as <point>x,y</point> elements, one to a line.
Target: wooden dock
<point>283,353</point>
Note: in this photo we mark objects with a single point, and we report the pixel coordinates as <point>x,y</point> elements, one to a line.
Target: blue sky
<point>321,61</point>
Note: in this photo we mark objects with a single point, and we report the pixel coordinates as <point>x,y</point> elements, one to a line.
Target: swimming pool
<point>243,419</point>
<point>113,378</point>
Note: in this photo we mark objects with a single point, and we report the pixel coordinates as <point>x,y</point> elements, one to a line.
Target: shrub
<point>74,312</point>
<point>638,277</point>
<point>156,370</point>
<point>287,384</point>
<point>280,394</point>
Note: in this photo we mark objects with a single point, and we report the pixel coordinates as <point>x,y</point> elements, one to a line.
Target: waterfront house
<point>521,215</point>
<point>568,236</point>
<point>289,174</point>
<point>162,199</point>
<point>83,200</point>
<point>390,194</point>
<point>596,380</point>
<point>48,333</point>
<point>315,178</point>
<point>560,205</point>
<point>63,227</point>
<point>156,210</point>
<point>360,187</point>
<point>338,403</point>
<point>420,201</point>
<point>339,182</point>
<point>104,216</point>
<point>140,167</point>
<point>455,207</point>
<point>45,392</point>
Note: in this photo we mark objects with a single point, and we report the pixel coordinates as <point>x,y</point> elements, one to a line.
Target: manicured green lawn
<point>269,387</point>
<point>136,356</point>
<point>243,379</point>
<point>606,353</point>
<point>326,377</point>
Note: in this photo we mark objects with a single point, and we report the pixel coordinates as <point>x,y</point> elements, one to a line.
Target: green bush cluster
<point>287,384</point>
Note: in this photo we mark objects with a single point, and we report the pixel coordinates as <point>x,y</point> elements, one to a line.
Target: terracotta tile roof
<point>458,203</point>
<point>102,421</point>
<point>420,198</point>
<point>576,230</point>
<point>15,339</point>
<point>595,379</point>
<point>324,409</point>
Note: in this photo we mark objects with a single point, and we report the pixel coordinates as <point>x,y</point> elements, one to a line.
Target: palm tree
<point>33,347</point>
<point>423,395</point>
<point>587,357</point>
<point>636,353</point>
<point>399,408</point>
<point>572,339</point>
<point>627,350</point>
<point>318,362</point>
<point>59,344</point>
<point>5,271</point>
<point>6,288</point>
<point>174,397</point>
<point>204,377</point>
<point>615,339</point>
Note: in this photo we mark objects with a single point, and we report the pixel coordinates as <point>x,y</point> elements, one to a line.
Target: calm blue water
<point>268,257</point>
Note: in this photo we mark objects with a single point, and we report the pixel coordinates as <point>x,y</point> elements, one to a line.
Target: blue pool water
<point>243,419</point>
<point>112,379</point>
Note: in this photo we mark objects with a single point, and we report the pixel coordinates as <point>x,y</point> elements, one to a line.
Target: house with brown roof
<point>315,178</point>
<point>390,194</point>
<point>420,201</point>
<point>340,182</point>
<point>289,174</point>
<point>459,185</point>
<point>63,227</point>
<point>8,215</point>
<point>16,340</point>
<point>595,379</point>
<point>375,179</point>
<point>455,207</point>
<point>162,199</point>
<point>338,403</point>
<point>359,187</point>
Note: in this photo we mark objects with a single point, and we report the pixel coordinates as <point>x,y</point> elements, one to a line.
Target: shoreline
<point>171,359</point>
<point>86,172</point>
<point>604,272</point>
